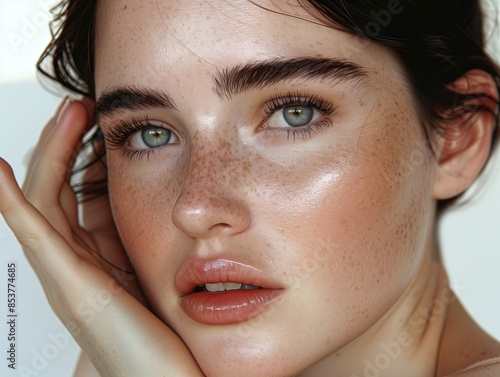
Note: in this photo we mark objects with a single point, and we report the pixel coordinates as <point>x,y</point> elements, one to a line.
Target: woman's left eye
<point>152,137</point>
<point>296,111</point>
<point>293,116</point>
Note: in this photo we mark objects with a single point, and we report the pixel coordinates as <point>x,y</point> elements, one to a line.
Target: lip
<point>227,307</point>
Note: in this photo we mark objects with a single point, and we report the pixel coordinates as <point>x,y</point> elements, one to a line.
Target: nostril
<point>220,227</point>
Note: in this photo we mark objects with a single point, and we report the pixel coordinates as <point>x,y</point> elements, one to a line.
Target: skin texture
<point>235,189</point>
<point>338,214</point>
<point>342,219</point>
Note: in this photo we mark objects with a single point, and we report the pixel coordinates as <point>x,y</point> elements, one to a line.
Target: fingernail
<point>62,107</point>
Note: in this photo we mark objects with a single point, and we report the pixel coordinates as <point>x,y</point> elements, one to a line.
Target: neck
<point>406,340</point>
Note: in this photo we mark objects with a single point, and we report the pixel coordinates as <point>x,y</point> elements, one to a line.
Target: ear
<point>465,144</point>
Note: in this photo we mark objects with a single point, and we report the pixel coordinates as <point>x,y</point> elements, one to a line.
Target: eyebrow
<point>229,82</point>
<point>131,98</point>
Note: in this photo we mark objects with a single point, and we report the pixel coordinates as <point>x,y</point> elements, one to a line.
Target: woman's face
<point>250,146</point>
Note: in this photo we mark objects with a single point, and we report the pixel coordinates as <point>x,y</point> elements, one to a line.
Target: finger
<point>118,320</point>
<point>52,167</point>
<point>120,323</point>
<point>41,242</point>
<point>41,194</point>
<point>65,276</point>
<point>43,136</point>
<point>69,205</point>
<point>70,228</point>
<point>49,130</point>
<point>54,119</point>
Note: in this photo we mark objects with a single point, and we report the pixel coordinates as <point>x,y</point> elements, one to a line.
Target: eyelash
<point>297,99</point>
<point>118,136</point>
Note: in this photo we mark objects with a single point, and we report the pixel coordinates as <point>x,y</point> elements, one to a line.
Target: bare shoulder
<point>488,368</point>
<point>465,349</point>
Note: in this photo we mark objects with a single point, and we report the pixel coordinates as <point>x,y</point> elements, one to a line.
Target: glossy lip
<point>228,307</point>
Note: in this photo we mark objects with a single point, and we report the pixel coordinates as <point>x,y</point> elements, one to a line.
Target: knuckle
<point>35,241</point>
<point>43,202</point>
<point>29,243</point>
<point>15,206</point>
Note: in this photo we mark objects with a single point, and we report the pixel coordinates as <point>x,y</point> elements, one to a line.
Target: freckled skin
<point>342,219</point>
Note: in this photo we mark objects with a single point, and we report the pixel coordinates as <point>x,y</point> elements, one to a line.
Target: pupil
<point>298,116</point>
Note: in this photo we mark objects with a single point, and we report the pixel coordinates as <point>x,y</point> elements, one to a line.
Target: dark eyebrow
<point>130,98</point>
<point>229,82</point>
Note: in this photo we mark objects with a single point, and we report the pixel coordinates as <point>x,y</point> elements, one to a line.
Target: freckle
<point>125,7</point>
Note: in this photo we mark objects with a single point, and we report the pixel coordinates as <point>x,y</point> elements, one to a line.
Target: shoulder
<point>486,368</point>
<point>466,350</point>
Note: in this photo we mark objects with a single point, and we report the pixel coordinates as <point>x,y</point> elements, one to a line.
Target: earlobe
<point>466,140</point>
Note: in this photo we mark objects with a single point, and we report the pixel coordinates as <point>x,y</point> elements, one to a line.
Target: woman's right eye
<point>152,137</point>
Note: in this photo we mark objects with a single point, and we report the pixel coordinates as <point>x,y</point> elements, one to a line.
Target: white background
<point>470,236</point>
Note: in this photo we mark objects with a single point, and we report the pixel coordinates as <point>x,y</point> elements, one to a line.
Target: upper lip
<point>196,272</point>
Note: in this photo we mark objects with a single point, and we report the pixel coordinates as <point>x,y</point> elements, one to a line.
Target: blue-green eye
<point>153,137</point>
<point>297,116</point>
<point>293,116</point>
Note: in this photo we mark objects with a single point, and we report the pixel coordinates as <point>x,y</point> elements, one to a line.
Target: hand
<point>76,260</point>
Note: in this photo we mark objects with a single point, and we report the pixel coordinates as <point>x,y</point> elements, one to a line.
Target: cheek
<point>390,193</point>
<point>358,243</point>
<point>140,199</point>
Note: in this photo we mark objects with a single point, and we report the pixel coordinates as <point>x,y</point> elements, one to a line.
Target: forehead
<point>147,40</point>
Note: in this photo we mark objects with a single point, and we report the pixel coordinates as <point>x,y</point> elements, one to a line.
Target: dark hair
<point>436,42</point>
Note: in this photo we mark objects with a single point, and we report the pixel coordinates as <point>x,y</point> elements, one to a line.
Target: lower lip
<point>228,307</point>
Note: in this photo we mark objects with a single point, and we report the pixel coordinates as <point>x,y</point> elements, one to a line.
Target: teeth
<point>232,286</point>
<point>215,287</point>
<point>220,287</point>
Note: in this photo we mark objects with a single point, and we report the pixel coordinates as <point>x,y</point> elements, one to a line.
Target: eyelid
<point>119,134</point>
<point>298,99</point>
<point>326,109</point>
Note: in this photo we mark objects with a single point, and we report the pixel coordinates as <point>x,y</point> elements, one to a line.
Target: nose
<point>212,199</point>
